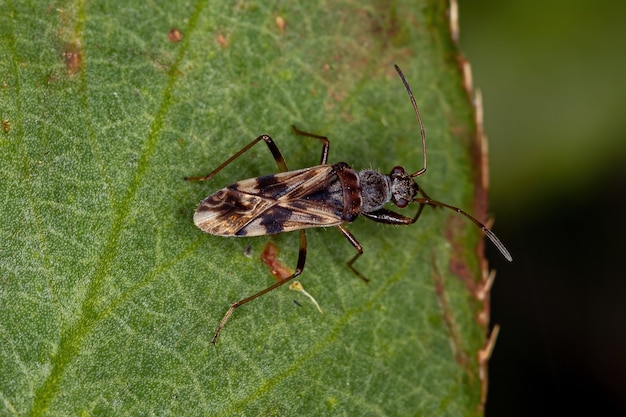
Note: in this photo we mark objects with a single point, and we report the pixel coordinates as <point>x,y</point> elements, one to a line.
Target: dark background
<point>553,77</point>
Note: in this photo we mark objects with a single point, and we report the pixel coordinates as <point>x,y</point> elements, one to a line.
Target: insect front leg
<point>278,157</point>
<point>359,250</point>
<point>391,217</point>
<point>298,271</point>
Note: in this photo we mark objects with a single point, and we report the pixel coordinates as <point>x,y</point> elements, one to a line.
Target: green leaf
<point>110,295</point>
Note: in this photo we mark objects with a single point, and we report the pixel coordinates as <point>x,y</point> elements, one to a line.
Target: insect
<point>320,196</point>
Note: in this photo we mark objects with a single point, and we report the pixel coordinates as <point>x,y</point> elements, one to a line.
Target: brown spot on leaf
<point>175,35</point>
<point>6,126</point>
<point>222,40</point>
<point>277,268</point>
<point>280,22</point>
<point>72,58</point>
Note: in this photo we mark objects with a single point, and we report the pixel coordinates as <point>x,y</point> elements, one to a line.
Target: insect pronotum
<point>320,196</point>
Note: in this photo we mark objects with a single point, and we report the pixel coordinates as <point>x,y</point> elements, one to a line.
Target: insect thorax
<point>375,190</point>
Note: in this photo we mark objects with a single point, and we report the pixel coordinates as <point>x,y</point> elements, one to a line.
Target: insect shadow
<point>320,196</point>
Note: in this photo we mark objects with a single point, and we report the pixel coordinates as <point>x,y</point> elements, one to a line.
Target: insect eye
<point>402,203</point>
<point>397,170</point>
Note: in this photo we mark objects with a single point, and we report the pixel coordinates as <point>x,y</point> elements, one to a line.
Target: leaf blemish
<point>72,58</point>
<point>280,22</point>
<point>222,40</point>
<point>175,35</point>
<point>269,258</point>
<point>281,271</point>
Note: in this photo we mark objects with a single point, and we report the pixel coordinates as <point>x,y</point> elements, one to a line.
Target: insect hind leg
<point>278,157</point>
<point>298,271</point>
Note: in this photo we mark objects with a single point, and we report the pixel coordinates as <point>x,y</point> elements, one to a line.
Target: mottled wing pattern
<point>293,200</point>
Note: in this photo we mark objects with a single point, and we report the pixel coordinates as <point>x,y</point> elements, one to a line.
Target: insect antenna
<point>419,119</point>
<point>426,200</point>
<point>494,239</point>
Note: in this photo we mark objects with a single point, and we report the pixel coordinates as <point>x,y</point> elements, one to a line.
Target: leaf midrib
<point>72,338</point>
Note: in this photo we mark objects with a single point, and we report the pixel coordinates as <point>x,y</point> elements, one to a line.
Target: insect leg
<point>359,251</point>
<point>298,271</point>
<point>324,139</point>
<point>278,157</point>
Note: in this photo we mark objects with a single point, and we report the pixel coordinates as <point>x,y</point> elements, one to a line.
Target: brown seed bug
<point>320,196</point>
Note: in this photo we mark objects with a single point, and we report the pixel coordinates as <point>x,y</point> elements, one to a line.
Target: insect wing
<point>287,201</point>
